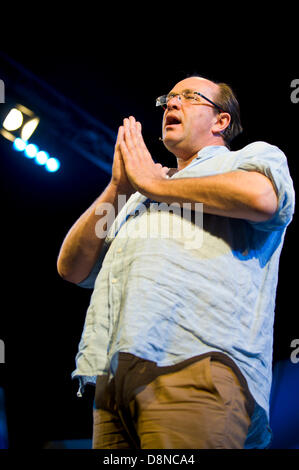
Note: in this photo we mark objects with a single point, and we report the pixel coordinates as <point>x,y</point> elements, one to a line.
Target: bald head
<point>200,84</point>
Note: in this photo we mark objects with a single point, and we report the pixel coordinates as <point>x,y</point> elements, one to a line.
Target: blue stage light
<point>41,157</point>
<point>31,150</point>
<point>19,144</point>
<point>52,164</point>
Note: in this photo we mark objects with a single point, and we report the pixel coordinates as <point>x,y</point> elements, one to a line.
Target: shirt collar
<point>210,151</point>
<point>203,154</point>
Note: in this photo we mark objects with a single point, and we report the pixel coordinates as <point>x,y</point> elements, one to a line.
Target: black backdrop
<point>42,315</point>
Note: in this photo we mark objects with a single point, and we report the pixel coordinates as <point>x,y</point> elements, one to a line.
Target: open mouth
<point>172,121</point>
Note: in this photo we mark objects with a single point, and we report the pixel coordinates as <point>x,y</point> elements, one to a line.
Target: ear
<point>222,122</point>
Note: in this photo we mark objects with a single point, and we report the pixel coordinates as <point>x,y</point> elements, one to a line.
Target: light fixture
<point>13,120</point>
<point>29,128</point>
<point>31,150</point>
<point>40,157</point>
<point>21,122</point>
<point>19,144</point>
<point>52,165</point>
<point>18,126</point>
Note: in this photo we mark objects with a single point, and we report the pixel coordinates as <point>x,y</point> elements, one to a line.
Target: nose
<point>174,102</point>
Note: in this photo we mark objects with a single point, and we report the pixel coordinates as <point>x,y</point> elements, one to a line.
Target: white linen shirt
<point>211,288</point>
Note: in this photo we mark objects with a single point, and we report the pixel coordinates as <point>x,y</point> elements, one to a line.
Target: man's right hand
<point>119,177</point>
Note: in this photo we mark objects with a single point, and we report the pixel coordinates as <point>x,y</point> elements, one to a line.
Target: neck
<point>183,162</point>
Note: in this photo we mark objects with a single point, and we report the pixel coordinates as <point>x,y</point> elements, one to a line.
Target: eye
<point>171,95</point>
<point>191,96</point>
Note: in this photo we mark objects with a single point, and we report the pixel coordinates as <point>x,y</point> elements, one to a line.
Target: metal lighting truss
<point>65,120</point>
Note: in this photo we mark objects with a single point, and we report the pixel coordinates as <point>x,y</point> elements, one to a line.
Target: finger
<point>127,134</point>
<point>132,121</point>
<point>131,138</point>
<point>120,138</point>
<point>133,130</point>
<point>120,135</point>
<point>129,122</point>
<point>128,127</point>
<point>124,151</point>
<point>134,140</point>
<point>127,146</point>
<point>140,136</point>
<point>165,170</point>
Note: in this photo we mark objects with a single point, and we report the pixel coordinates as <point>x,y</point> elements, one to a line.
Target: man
<point>178,334</point>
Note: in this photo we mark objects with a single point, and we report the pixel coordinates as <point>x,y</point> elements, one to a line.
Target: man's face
<point>193,131</point>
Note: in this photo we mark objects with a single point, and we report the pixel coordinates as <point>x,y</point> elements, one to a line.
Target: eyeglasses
<point>186,97</point>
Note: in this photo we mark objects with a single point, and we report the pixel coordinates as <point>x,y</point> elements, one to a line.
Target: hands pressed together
<point>239,194</point>
<point>133,167</point>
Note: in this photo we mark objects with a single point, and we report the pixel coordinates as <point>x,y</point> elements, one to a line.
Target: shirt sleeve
<point>88,283</point>
<point>271,162</point>
<point>134,200</point>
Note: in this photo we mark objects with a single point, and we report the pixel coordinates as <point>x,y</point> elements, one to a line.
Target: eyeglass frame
<point>197,93</point>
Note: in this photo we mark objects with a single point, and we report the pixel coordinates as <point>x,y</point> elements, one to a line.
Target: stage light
<point>19,144</point>
<point>21,122</point>
<point>13,120</point>
<point>52,165</point>
<point>41,157</point>
<point>31,150</point>
<point>18,126</point>
<point>29,128</point>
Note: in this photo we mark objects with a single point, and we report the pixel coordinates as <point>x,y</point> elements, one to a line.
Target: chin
<point>171,144</point>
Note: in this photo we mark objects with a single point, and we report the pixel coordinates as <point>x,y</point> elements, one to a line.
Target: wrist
<point>155,188</point>
<point>121,189</point>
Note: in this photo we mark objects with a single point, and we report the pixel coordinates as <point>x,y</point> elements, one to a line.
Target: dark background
<point>42,316</point>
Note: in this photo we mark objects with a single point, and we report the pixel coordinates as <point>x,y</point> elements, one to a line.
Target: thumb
<point>165,170</point>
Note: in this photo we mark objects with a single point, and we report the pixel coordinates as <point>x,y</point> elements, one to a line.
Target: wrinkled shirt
<point>212,287</point>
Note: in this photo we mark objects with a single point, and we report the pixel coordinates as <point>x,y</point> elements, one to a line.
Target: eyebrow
<point>200,94</point>
<point>183,91</point>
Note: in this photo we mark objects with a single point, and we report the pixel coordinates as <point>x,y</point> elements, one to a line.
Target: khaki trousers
<point>202,406</point>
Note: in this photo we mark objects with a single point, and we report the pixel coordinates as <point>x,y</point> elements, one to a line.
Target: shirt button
<point>114,280</point>
<point>119,250</point>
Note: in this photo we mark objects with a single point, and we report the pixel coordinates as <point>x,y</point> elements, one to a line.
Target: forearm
<point>82,244</point>
<point>239,194</point>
